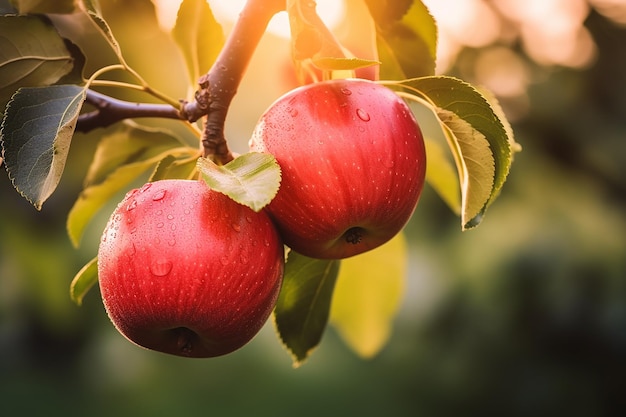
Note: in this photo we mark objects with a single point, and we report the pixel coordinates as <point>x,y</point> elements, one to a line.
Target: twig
<point>110,110</point>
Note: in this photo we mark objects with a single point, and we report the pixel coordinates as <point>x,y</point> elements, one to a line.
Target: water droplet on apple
<point>145,187</point>
<point>236,227</point>
<point>187,211</point>
<point>171,242</point>
<point>161,267</point>
<point>159,195</point>
<point>132,205</point>
<point>249,219</point>
<point>346,91</point>
<point>363,115</point>
<point>170,217</point>
<point>244,258</point>
<point>159,212</point>
<point>159,225</point>
<point>293,112</point>
<point>224,260</point>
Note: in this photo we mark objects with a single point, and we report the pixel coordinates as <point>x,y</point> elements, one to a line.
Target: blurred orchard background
<point>523,316</point>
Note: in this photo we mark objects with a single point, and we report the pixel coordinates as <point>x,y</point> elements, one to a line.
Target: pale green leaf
<point>172,167</point>
<point>36,133</point>
<point>367,296</point>
<point>83,281</point>
<point>471,124</point>
<point>302,309</point>
<point>32,54</point>
<point>342,64</point>
<point>129,142</point>
<point>441,174</point>
<point>199,36</point>
<point>251,179</point>
<point>475,164</point>
<point>94,197</point>
<point>406,36</point>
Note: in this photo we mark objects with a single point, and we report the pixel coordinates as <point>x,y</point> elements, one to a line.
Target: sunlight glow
<point>226,11</point>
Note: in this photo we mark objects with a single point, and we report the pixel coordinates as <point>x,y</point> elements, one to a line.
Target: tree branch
<point>219,85</point>
<point>216,88</point>
<point>110,110</point>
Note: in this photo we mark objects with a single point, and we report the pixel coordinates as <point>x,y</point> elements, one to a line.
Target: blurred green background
<point>523,316</point>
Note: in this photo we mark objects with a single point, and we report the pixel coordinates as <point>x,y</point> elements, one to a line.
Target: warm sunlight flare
<point>331,12</point>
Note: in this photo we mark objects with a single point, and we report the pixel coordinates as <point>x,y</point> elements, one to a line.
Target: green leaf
<point>103,27</point>
<point>474,129</point>
<point>45,6</point>
<point>172,167</point>
<point>199,36</point>
<point>36,133</point>
<point>342,64</point>
<point>251,179</point>
<point>120,158</point>
<point>367,296</point>
<point>441,174</point>
<point>302,309</point>
<point>32,54</point>
<point>406,35</point>
<point>129,142</point>
<point>475,164</point>
<point>84,280</point>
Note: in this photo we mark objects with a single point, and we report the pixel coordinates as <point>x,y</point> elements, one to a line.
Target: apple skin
<point>187,271</point>
<point>353,166</point>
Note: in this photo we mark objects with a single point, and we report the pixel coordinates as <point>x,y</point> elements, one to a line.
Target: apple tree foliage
<point>47,97</point>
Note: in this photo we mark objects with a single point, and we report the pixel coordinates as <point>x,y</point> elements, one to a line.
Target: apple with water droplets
<point>187,271</point>
<point>353,165</point>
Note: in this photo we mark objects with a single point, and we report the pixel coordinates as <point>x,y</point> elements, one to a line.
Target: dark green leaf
<point>303,306</point>
<point>101,24</point>
<point>252,179</point>
<point>84,280</point>
<point>199,36</point>
<point>406,35</point>
<point>37,129</point>
<point>32,54</point>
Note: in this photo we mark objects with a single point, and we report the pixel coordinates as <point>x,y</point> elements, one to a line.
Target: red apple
<point>353,166</point>
<point>187,271</point>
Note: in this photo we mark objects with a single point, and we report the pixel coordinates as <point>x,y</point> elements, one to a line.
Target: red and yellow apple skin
<point>353,166</point>
<point>187,271</point>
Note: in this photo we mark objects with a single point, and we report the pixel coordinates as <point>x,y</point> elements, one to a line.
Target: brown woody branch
<point>216,88</point>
